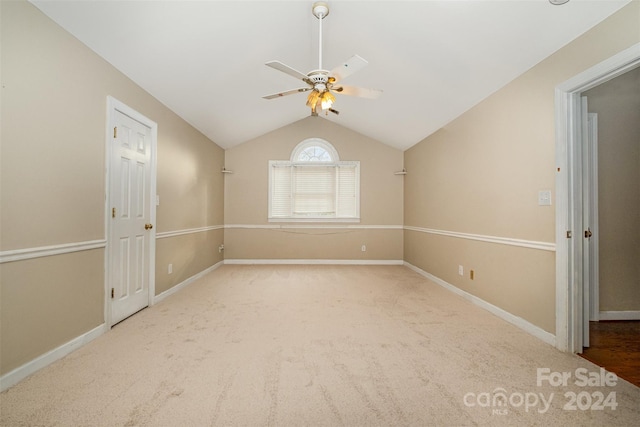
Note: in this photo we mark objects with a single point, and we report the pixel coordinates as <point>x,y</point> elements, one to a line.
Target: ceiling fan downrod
<point>320,10</point>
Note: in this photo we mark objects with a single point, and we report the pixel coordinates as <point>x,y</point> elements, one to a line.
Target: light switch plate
<point>544,198</point>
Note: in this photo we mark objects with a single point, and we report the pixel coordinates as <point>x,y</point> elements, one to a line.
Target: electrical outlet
<point>363,248</point>
<point>221,248</point>
<point>461,270</point>
<point>170,269</point>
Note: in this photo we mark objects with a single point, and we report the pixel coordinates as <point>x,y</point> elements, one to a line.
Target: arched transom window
<point>314,150</point>
<point>314,185</point>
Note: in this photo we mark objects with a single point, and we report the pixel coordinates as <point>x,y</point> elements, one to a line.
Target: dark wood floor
<point>615,345</point>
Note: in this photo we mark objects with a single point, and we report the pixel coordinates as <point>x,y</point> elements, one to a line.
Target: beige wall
<point>506,276</point>
<point>188,254</point>
<point>617,103</point>
<point>47,302</point>
<point>246,194</point>
<point>481,175</point>
<point>190,186</point>
<point>53,106</point>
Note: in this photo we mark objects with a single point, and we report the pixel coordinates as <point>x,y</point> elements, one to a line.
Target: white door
<point>131,231</point>
<point>589,220</point>
<point>592,241</point>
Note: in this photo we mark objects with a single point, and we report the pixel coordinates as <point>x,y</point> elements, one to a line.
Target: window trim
<point>294,162</point>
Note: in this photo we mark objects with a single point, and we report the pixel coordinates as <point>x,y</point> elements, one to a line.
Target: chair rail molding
<point>43,251</point>
<point>531,244</point>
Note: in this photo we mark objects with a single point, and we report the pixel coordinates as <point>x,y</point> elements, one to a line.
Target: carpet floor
<point>318,346</point>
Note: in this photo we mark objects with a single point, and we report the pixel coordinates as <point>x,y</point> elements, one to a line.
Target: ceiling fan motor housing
<point>319,79</point>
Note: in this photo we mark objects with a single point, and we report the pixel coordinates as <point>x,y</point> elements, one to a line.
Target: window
<point>314,185</point>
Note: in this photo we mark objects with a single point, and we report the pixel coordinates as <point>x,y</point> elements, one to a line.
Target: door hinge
<point>113,212</point>
<point>113,293</point>
<point>115,132</point>
<point>568,234</point>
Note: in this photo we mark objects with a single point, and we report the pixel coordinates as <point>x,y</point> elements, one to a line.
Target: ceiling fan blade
<point>287,70</point>
<point>287,92</point>
<point>353,64</point>
<point>358,91</point>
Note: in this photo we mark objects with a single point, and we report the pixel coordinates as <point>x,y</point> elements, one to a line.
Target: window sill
<point>316,220</point>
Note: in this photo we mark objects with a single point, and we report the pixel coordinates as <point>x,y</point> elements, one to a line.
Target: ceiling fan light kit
<point>322,82</point>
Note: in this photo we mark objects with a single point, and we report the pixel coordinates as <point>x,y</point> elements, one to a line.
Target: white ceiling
<point>433,59</point>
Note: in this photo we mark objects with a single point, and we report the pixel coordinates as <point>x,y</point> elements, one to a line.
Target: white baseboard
<point>526,326</point>
<point>18,374</point>
<point>187,282</point>
<point>11,378</point>
<point>620,315</point>
<point>316,261</point>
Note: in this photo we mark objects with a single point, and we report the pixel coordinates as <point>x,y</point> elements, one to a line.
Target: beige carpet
<point>316,346</point>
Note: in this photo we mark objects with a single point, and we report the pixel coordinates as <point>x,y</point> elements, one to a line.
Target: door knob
<point>588,233</point>
<point>148,226</point>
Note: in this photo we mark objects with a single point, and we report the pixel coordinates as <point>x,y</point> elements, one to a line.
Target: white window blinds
<point>347,197</point>
<point>314,191</point>
<point>280,200</point>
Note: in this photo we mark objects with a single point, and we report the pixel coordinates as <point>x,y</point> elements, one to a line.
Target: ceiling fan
<point>323,83</point>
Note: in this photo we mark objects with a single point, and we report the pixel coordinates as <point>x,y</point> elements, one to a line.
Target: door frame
<point>569,200</point>
<point>114,105</point>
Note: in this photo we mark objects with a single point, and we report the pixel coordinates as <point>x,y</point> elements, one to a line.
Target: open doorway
<point>572,302</point>
<point>615,170</point>
<point>611,154</point>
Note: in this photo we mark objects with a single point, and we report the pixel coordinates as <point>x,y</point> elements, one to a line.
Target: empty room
<point>299,213</point>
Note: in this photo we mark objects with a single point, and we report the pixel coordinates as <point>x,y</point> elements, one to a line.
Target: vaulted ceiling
<point>433,59</point>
